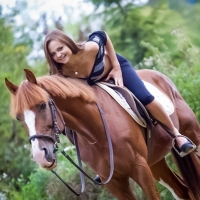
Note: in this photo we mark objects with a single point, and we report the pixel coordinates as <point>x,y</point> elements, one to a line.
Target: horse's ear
<point>11,87</point>
<point>30,76</point>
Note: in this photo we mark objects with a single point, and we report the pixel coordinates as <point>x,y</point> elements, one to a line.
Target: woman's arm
<point>116,72</point>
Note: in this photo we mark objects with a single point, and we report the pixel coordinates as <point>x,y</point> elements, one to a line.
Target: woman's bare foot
<point>181,140</point>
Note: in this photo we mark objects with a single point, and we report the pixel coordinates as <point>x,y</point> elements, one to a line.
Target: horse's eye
<point>43,106</point>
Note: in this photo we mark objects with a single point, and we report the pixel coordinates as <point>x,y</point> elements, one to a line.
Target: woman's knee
<point>146,100</point>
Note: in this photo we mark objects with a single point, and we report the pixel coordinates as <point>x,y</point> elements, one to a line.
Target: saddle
<point>132,105</point>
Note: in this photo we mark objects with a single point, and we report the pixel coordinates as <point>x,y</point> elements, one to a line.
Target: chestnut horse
<point>77,104</point>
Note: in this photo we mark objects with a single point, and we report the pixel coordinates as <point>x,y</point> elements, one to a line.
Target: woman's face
<point>60,52</point>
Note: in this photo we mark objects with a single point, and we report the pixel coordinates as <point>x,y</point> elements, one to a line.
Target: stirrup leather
<point>177,149</point>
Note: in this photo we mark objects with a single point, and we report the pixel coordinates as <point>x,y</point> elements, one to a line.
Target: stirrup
<point>178,149</point>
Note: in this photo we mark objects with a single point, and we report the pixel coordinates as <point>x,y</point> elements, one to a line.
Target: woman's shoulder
<point>91,47</point>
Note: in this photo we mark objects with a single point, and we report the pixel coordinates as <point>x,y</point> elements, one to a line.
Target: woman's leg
<point>158,112</point>
<point>136,86</point>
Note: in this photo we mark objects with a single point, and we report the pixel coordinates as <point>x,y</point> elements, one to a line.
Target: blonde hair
<point>56,68</point>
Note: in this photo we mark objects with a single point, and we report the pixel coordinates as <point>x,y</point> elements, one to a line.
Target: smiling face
<point>59,52</point>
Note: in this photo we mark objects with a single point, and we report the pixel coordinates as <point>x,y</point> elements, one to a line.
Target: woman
<point>96,60</point>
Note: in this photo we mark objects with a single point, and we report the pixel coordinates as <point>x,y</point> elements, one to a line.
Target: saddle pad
<point>122,102</point>
<point>161,97</point>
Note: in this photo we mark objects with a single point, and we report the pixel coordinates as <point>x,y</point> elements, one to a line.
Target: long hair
<point>56,68</point>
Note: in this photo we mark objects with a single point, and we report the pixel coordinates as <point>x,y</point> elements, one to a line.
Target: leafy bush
<point>183,72</point>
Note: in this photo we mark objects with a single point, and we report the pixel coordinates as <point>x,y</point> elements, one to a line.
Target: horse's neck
<point>82,117</point>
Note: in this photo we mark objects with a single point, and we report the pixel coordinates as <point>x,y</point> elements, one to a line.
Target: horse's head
<point>30,104</point>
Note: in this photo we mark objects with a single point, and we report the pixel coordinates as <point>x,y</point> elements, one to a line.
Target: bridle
<point>56,129</point>
<point>56,141</point>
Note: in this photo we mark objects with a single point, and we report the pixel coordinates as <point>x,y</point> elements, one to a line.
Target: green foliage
<point>106,3</point>
<point>14,154</point>
<point>183,70</point>
<point>146,24</point>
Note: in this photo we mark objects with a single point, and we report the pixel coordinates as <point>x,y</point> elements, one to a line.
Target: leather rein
<point>56,141</point>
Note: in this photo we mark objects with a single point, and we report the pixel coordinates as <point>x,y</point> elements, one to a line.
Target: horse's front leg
<point>120,188</point>
<point>142,175</point>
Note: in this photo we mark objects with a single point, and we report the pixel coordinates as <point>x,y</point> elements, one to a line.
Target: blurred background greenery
<point>161,35</point>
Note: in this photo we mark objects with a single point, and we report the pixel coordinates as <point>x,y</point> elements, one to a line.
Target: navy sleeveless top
<point>100,38</point>
<point>130,78</point>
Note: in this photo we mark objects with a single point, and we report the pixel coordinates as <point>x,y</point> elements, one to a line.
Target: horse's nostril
<point>47,156</point>
<point>45,150</point>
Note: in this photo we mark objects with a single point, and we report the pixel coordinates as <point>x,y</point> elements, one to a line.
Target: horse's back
<point>160,81</point>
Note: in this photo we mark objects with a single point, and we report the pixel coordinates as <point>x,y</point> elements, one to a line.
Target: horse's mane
<point>29,94</point>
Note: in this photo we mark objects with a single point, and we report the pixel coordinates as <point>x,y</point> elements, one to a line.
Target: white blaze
<point>38,155</point>
<point>29,118</point>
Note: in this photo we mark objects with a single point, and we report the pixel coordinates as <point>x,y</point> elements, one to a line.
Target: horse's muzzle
<point>44,160</point>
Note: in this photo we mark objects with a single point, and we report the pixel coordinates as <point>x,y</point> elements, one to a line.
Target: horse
<point>77,103</point>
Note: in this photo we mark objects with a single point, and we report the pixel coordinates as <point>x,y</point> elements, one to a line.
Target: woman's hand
<point>116,74</point>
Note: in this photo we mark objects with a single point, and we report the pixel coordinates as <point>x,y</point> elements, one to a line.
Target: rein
<point>56,140</point>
